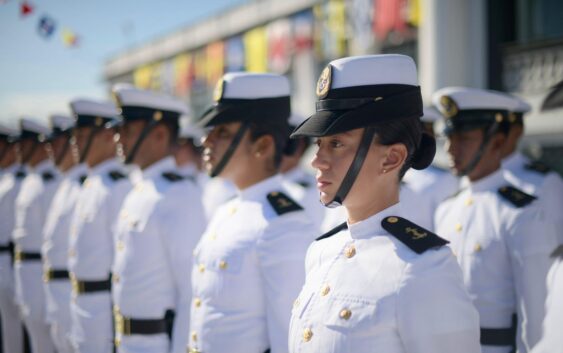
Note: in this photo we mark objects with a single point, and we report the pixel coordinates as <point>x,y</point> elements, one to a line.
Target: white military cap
<point>138,104</point>
<point>188,130</point>
<point>360,91</point>
<point>431,115</point>
<point>34,128</point>
<point>8,132</point>
<point>88,112</point>
<point>60,124</point>
<point>472,108</point>
<point>243,96</point>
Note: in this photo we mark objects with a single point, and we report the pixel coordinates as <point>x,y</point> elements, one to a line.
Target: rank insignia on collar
<point>449,106</point>
<point>323,84</point>
<point>415,237</point>
<point>538,166</point>
<point>282,203</point>
<point>517,197</point>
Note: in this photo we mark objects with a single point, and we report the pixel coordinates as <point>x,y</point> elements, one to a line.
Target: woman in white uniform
<point>378,282</point>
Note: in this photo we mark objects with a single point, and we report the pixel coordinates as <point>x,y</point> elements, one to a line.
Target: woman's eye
<point>335,144</point>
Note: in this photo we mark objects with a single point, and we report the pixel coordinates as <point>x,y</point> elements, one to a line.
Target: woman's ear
<point>263,146</point>
<point>394,157</point>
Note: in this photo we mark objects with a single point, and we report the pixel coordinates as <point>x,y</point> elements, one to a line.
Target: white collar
<point>166,164</point>
<point>257,191</point>
<point>107,166</point>
<point>514,161</point>
<point>372,225</point>
<point>490,182</point>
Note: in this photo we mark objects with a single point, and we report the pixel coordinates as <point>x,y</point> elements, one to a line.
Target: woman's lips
<point>322,184</point>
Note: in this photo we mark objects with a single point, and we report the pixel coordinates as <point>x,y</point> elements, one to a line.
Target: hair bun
<point>425,152</point>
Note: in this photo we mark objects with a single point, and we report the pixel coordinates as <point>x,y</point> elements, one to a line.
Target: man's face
<point>79,140</point>
<point>57,146</point>
<point>216,143</point>
<point>129,134</point>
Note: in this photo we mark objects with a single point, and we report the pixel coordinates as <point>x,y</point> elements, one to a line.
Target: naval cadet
<point>377,282</point>
<point>32,204</point>
<point>12,337</point>
<point>499,233</point>
<point>187,151</point>
<point>248,265</point>
<point>57,229</point>
<point>533,177</point>
<point>91,243</point>
<point>159,224</point>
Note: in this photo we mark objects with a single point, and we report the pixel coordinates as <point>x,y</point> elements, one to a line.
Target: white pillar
<point>452,45</point>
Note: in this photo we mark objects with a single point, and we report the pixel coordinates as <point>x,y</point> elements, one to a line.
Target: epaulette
<point>333,231</point>
<point>558,252</point>
<point>47,176</point>
<point>82,179</point>
<point>115,175</point>
<point>172,177</point>
<point>538,167</point>
<point>282,204</point>
<point>304,184</point>
<point>20,174</point>
<point>517,197</point>
<point>415,237</point>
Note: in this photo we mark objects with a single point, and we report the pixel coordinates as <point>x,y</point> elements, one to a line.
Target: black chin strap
<point>144,133</point>
<point>26,158</point>
<point>84,153</point>
<point>354,169</point>
<point>479,154</point>
<point>59,158</point>
<point>229,152</point>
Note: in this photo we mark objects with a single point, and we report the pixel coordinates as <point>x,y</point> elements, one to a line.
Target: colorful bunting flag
<point>389,16</point>
<point>70,39</point>
<point>279,46</point>
<point>215,53</point>
<point>330,30</point>
<point>303,30</point>
<point>26,8</point>
<point>359,17</point>
<point>234,54</point>
<point>256,50</point>
<point>183,74</point>
<point>46,27</point>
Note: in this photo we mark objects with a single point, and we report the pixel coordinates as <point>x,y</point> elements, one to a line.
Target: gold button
<point>120,245</point>
<point>325,289</point>
<point>477,247</point>
<point>469,202</point>
<point>345,314</point>
<point>458,227</point>
<point>201,268</point>
<point>223,265</point>
<point>350,251</point>
<point>115,278</point>
<point>392,219</point>
<point>197,302</point>
<point>307,334</point>
<point>194,336</point>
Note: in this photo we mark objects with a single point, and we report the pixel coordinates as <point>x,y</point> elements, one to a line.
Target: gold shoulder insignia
<point>282,203</point>
<point>415,237</point>
<point>517,197</point>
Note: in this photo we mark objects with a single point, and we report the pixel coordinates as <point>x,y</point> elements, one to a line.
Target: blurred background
<point>56,50</point>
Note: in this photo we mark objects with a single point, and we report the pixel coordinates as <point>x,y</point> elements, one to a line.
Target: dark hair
<point>421,147</point>
<point>279,133</point>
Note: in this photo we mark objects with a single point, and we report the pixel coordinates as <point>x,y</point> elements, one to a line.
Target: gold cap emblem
<point>98,121</point>
<point>219,90</point>
<point>157,116</point>
<point>450,107</point>
<point>323,84</point>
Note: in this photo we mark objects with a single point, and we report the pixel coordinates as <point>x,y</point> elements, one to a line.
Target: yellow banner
<point>256,50</point>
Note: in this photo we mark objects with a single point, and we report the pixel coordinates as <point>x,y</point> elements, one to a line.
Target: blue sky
<point>38,77</point>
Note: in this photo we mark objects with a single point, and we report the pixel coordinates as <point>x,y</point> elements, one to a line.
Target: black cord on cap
<point>479,154</point>
<point>144,133</point>
<point>230,151</point>
<point>352,173</point>
<point>59,158</point>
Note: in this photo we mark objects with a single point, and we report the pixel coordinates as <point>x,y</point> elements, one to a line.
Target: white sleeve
<point>281,253</point>
<point>182,224</point>
<point>434,311</point>
<point>532,241</point>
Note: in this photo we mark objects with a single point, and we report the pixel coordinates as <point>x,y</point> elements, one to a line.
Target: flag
<point>183,74</point>
<point>215,53</point>
<point>142,76</point>
<point>279,46</point>
<point>389,16</point>
<point>234,54</point>
<point>26,8</point>
<point>256,50</point>
<point>414,12</point>
<point>360,19</point>
<point>330,32</point>
<point>70,39</point>
<point>46,26</point>
<point>303,30</point>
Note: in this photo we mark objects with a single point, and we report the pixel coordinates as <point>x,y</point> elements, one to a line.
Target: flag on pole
<point>70,39</point>
<point>26,8</point>
<point>46,26</point>
<point>279,46</point>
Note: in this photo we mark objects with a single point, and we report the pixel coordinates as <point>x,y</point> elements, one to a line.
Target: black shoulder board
<point>333,231</point>
<point>172,177</point>
<point>558,252</point>
<point>282,204</point>
<point>20,174</point>
<point>116,175</point>
<point>82,179</point>
<point>538,167</point>
<point>47,176</point>
<point>416,238</point>
<point>304,183</point>
<point>517,197</point>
